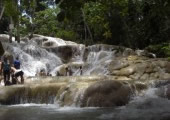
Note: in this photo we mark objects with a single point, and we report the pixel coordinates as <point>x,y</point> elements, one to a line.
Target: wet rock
<point>128,51</point>
<point>125,71</point>
<point>168,92</point>
<point>49,44</point>
<point>166,65</point>
<point>117,64</point>
<point>144,77</point>
<point>140,86</point>
<point>71,94</point>
<point>145,53</point>
<point>164,76</point>
<point>122,78</point>
<point>150,68</point>
<point>107,94</point>
<point>4,38</point>
<point>17,94</point>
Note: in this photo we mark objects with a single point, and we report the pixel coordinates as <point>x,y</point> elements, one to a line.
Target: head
<point>17,58</point>
<point>5,59</point>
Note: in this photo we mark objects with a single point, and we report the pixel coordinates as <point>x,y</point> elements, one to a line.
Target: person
<point>70,71</point>
<point>66,70</point>
<point>6,67</point>
<point>17,73</point>
<point>81,71</point>
<point>17,63</point>
<point>42,72</point>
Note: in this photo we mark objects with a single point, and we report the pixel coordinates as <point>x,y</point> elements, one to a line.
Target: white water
<point>34,57</point>
<point>148,106</point>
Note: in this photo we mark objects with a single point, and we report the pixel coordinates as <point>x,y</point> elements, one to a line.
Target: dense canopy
<point>131,23</point>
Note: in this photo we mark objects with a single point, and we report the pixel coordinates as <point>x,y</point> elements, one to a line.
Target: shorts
<point>20,73</point>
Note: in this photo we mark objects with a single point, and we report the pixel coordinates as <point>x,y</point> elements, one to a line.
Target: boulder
<point>168,92</point>
<point>117,64</point>
<point>4,38</point>
<point>124,71</point>
<point>107,93</point>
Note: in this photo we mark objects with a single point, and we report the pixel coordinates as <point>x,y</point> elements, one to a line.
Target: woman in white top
<point>16,74</point>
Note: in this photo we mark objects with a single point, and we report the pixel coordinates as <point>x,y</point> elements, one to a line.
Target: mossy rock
<point>161,50</point>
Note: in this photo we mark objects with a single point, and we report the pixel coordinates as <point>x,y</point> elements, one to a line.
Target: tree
<point>2,8</point>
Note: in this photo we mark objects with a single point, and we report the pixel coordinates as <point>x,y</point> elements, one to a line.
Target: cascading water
<point>147,106</point>
<point>33,58</point>
<point>36,54</point>
<point>61,97</point>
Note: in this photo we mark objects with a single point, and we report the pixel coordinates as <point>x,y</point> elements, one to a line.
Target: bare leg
<point>22,79</point>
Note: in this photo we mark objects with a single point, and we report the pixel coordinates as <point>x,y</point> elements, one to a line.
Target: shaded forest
<point>132,23</point>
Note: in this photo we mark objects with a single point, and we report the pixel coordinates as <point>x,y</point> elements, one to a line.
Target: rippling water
<point>140,108</point>
<point>50,112</point>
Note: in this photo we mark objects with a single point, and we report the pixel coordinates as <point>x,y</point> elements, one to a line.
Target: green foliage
<point>161,50</point>
<point>95,16</point>
<point>11,9</point>
<point>45,22</point>
<point>66,35</point>
<point>131,23</point>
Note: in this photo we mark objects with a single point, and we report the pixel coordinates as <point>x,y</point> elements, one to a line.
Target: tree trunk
<point>88,29</point>
<point>18,32</point>
<point>17,24</point>
<point>3,8</point>
<point>10,30</point>
<point>32,20</point>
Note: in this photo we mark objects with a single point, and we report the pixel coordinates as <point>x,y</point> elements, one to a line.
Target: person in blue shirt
<point>17,63</point>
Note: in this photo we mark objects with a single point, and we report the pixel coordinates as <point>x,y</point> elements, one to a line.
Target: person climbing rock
<point>70,71</point>
<point>66,70</point>
<point>17,73</point>
<point>42,72</point>
<point>81,70</point>
<point>6,68</point>
<point>17,63</point>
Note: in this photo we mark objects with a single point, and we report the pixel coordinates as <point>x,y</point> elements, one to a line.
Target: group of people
<point>43,73</point>
<point>11,71</point>
<point>68,72</point>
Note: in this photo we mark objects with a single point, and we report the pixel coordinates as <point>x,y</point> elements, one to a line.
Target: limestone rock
<point>168,92</point>
<point>125,71</point>
<point>107,94</point>
<point>117,64</point>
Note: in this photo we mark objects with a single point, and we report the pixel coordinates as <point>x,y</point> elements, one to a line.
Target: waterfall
<point>33,58</point>
<point>53,54</point>
<point>128,99</point>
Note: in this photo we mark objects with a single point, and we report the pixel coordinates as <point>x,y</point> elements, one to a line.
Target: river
<point>151,104</point>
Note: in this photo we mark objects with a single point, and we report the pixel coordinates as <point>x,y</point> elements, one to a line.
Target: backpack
<point>6,66</point>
